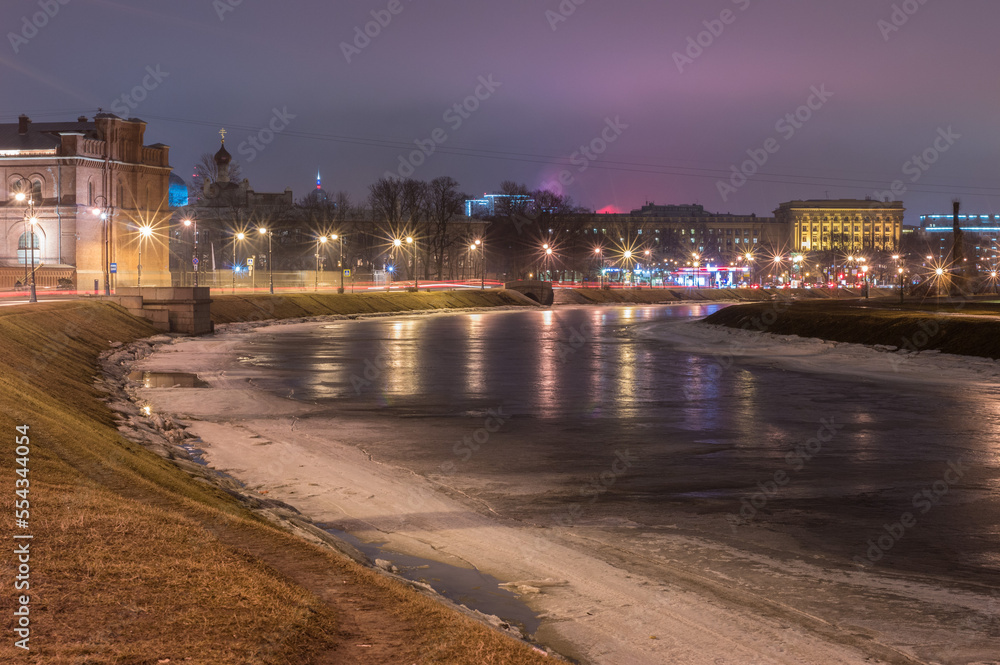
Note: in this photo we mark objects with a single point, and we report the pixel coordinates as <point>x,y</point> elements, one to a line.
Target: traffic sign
<point>347,273</point>
<point>195,260</point>
<point>114,268</point>
<point>250,262</point>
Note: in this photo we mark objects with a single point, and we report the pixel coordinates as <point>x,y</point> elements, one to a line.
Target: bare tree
<point>444,203</point>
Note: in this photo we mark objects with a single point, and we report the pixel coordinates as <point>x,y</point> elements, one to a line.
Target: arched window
<point>36,191</point>
<point>24,250</point>
<point>16,187</point>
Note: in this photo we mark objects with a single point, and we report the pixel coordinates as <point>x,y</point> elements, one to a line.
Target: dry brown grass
<point>236,308</point>
<point>133,562</point>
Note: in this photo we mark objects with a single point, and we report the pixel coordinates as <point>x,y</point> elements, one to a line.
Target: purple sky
<point>892,91</point>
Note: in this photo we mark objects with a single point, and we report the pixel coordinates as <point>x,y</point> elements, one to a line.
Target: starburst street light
<point>30,220</point>
<point>270,268</point>
<point>322,240</point>
<point>194,258</point>
<point>145,233</point>
<point>416,268</point>
<point>478,244</point>
<point>241,237</point>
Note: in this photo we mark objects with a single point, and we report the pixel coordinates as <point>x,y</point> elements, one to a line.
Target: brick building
<point>67,169</point>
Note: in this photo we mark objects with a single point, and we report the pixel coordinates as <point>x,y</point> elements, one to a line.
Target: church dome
<point>223,156</point>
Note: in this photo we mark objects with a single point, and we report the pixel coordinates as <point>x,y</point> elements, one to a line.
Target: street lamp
<point>270,267</point>
<point>194,256</point>
<point>901,271</point>
<point>319,242</point>
<point>340,263</point>
<point>238,236</point>
<point>396,243</point>
<point>29,223</point>
<point>105,212</point>
<point>482,276</point>
<point>145,232</point>
<point>600,267</point>
<point>416,272</point>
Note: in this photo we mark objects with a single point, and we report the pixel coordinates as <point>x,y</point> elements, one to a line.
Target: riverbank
<point>264,307</point>
<point>962,328</point>
<point>656,296</point>
<point>134,560</point>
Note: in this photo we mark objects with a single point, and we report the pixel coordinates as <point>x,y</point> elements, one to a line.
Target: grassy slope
<point>915,328</point>
<point>133,561</point>
<point>231,308</point>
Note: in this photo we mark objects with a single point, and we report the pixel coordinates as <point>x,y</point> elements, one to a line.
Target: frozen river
<point>833,516</point>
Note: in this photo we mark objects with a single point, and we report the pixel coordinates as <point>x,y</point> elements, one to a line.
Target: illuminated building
<point>68,169</point>
<point>981,233</point>
<point>842,225</point>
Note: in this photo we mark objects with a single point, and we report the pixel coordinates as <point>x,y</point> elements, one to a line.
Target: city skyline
<point>878,88</point>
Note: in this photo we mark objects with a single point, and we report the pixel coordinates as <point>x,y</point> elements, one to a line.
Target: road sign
<point>114,268</point>
<point>250,262</point>
<point>195,260</point>
<point>347,273</point>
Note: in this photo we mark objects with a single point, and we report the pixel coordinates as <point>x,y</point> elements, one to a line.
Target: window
<point>24,251</point>
<point>90,193</point>
<point>36,191</point>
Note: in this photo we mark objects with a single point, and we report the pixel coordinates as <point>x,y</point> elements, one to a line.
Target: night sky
<point>892,85</point>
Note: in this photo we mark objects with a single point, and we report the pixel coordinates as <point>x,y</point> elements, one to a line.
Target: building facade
<point>690,229</point>
<point>842,225</point>
<point>980,234</point>
<point>67,170</point>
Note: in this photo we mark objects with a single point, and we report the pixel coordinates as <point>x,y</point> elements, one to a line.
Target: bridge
<point>540,292</point>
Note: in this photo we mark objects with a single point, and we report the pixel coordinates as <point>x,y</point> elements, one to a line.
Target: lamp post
<point>105,212</point>
<point>340,263</point>
<point>396,243</point>
<point>238,236</point>
<point>547,262</point>
<point>194,252</point>
<point>145,232</point>
<point>482,261</point>
<point>270,267</point>
<point>600,267</point>
<point>319,242</point>
<point>901,271</point>
<point>29,223</point>
<point>416,272</point>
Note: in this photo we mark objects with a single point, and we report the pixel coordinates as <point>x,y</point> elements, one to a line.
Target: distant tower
<point>319,194</point>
